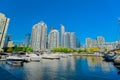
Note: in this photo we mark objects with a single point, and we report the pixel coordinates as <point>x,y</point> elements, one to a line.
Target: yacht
<point>50,56</point>
<point>15,60</point>
<point>63,55</point>
<point>33,57</point>
<point>117,60</point>
<point>110,56</point>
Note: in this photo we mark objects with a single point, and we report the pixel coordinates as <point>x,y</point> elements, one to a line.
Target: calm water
<point>72,68</point>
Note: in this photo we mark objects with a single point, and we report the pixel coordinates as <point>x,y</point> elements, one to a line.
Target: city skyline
<point>101,43</point>
<point>98,18</point>
<point>41,41</point>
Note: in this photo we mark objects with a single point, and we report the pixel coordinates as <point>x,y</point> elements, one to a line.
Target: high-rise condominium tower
<point>3,28</point>
<point>27,40</point>
<point>7,39</point>
<point>39,36</point>
<point>67,39</point>
<point>100,41</point>
<point>89,42</point>
<point>78,45</point>
<point>72,40</point>
<point>62,35</point>
<point>53,39</point>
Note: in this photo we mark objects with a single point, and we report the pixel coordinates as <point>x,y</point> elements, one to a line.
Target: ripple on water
<point>73,68</point>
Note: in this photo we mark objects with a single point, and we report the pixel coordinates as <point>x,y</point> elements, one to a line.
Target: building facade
<point>10,44</point>
<point>66,39</point>
<point>7,39</point>
<point>27,40</point>
<point>78,45</point>
<point>4,21</point>
<point>62,35</point>
<point>72,40</point>
<point>39,36</point>
<point>101,43</point>
<point>88,42</point>
<point>53,39</point>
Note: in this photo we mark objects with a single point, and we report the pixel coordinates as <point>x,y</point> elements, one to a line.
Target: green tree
<point>15,49</point>
<point>20,49</point>
<point>29,49</point>
<point>105,49</point>
<point>80,50</point>
<point>10,49</point>
<point>24,49</point>
<point>63,49</point>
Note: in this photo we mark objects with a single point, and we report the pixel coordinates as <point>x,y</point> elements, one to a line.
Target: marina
<point>70,68</point>
<point>60,40</point>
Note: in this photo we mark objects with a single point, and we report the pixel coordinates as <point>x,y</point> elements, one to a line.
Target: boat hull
<point>15,63</point>
<point>49,58</point>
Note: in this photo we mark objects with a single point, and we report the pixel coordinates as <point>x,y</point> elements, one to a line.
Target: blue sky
<point>88,18</point>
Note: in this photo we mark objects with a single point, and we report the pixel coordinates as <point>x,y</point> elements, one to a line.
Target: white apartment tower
<point>3,28</point>
<point>89,42</point>
<point>53,39</point>
<point>62,35</point>
<point>39,36</point>
<point>72,40</point>
<point>101,41</point>
<point>66,39</point>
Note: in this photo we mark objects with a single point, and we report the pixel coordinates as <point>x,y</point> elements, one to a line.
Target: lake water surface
<point>72,68</point>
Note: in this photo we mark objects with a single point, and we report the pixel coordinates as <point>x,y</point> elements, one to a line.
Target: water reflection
<point>97,62</point>
<point>72,68</point>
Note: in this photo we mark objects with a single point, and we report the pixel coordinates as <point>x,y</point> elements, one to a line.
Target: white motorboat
<point>50,56</point>
<point>64,55</point>
<point>15,60</point>
<point>33,57</point>
<point>117,60</point>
